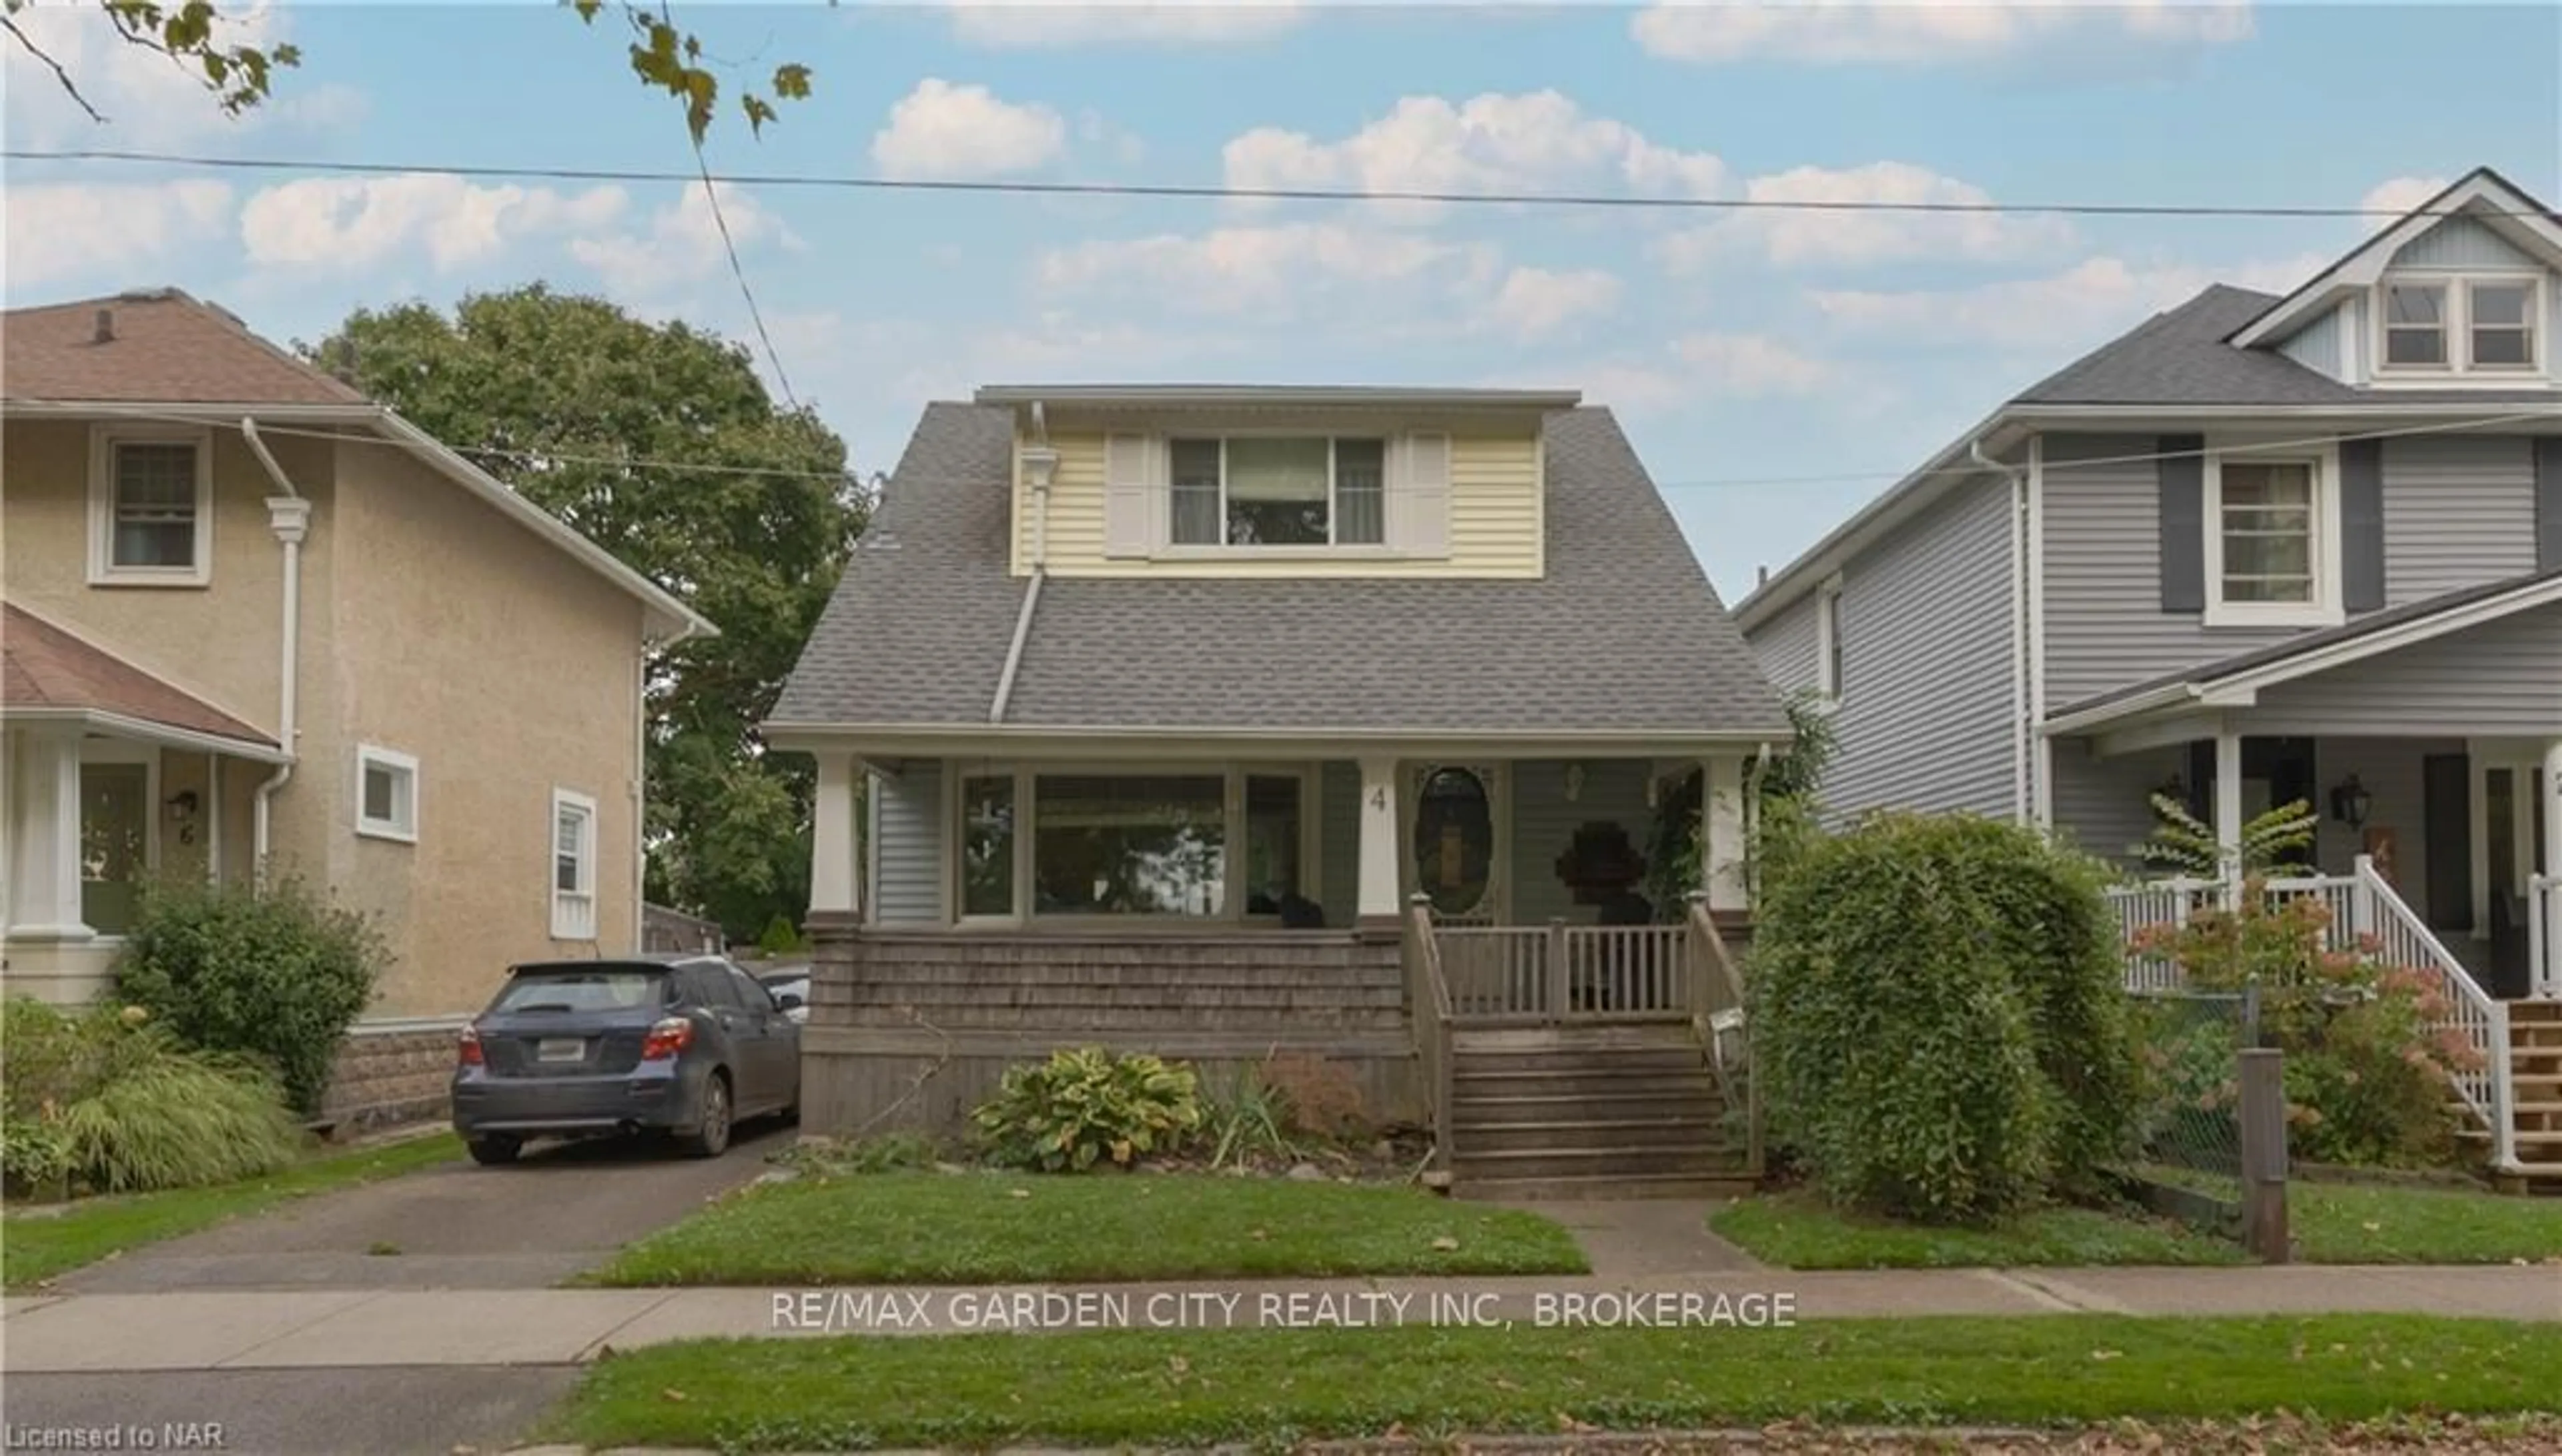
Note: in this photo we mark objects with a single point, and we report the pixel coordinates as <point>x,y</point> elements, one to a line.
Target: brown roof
<point>166,348</point>
<point>44,667</point>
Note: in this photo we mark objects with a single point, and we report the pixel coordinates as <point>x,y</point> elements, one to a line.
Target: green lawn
<point>2334,1223</point>
<point>1798,1230</point>
<point>932,1227</point>
<point>1166,1388</point>
<point>40,1243</point>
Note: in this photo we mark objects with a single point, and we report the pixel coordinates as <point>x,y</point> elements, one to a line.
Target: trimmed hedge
<point>1939,1017</point>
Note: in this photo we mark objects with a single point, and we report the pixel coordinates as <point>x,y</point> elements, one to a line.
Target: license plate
<point>560,1050</point>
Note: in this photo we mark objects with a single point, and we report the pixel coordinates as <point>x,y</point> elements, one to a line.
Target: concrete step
<point>1626,1134</point>
<point>1601,1185</point>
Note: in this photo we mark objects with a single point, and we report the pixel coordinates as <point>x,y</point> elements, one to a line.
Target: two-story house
<point>2258,549</point>
<point>1169,709</point>
<point>259,626</point>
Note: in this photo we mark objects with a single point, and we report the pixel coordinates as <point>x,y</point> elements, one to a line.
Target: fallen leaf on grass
<point>1021,1193</point>
<point>671,1394</point>
<point>1445,1243</point>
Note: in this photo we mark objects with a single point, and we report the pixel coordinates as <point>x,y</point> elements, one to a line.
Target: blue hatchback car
<point>685,1045</point>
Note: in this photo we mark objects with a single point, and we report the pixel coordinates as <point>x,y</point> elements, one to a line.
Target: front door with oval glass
<point>1455,840</point>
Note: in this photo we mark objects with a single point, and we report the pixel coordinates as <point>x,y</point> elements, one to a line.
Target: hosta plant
<point>1088,1106</point>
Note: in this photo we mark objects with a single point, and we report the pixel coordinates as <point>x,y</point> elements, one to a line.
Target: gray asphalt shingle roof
<point>1624,632</point>
<point>2181,358</point>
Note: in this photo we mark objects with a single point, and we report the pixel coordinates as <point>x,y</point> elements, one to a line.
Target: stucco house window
<point>151,507</point>
<point>386,794</point>
<point>573,866</point>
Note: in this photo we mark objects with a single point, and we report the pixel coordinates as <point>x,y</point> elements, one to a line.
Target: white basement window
<point>151,507</point>
<point>386,794</point>
<point>2272,541</point>
<point>1277,491</point>
<point>2452,325</point>
<point>573,866</point>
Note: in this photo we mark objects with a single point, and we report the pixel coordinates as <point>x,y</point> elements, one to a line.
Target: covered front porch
<point>1227,903</point>
<point>109,779</point>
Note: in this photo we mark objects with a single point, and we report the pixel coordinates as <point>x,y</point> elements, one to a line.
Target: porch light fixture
<point>2349,802</point>
<point>1573,782</point>
<point>182,805</point>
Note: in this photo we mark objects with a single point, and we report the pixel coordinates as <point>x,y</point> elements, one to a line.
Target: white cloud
<point>1032,24</point>
<point>1294,268</point>
<point>2079,306</point>
<point>1534,301</point>
<point>1923,32</point>
<point>1836,236</point>
<point>944,130</point>
<point>2398,197</point>
<point>1699,369</point>
<point>70,230</point>
<point>146,99</point>
<point>681,241</point>
<point>354,223</point>
<point>1533,141</point>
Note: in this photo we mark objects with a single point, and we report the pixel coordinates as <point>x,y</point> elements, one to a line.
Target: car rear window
<point>606,989</point>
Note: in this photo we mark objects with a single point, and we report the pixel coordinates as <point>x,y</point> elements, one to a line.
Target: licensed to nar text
<point>167,1435</point>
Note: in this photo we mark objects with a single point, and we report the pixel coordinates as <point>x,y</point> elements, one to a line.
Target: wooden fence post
<point>2264,1154</point>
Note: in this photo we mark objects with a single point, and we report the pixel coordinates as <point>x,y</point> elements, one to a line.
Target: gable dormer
<point>1212,482</point>
<point>2465,291</point>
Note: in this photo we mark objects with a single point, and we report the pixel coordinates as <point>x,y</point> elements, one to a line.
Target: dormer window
<point>2460,325</point>
<point>1277,491</point>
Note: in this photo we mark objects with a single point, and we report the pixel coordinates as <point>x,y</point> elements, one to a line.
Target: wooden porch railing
<point>1428,991</point>
<point>1716,994</point>
<point>1563,973</point>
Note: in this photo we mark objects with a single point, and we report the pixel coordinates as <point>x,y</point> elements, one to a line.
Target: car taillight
<point>667,1036</point>
<point>467,1048</point>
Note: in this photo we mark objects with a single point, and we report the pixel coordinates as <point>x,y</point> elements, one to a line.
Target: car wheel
<point>711,1138</point>
<point>496,1148</point>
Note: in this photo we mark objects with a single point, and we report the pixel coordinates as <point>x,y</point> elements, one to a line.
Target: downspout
<point>1040,467</point>
<point>288,515</point>
<point>2022,800</point>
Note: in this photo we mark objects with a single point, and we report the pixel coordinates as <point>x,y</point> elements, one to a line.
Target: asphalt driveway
<point>561,1208</point>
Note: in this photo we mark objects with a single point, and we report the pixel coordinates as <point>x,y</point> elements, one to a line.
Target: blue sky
<point>1743,353</point>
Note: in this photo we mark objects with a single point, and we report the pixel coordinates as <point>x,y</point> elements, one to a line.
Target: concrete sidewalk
<point>319,1329</point>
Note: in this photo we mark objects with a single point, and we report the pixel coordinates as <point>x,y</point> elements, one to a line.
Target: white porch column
<point>2551,970</point>
<point>1722,834</point>
<point>835,852</point>
<point>43,836</point>
<point>2228,812</point>
<point>1378,909</point>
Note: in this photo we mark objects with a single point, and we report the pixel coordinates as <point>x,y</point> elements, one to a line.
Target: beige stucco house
<point>257,624</point>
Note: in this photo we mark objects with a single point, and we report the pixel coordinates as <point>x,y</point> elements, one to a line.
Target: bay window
<point>1276,490</point>
<point>1211,843</point>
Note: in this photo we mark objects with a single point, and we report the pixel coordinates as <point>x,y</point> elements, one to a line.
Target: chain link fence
<point>2189,1045</point>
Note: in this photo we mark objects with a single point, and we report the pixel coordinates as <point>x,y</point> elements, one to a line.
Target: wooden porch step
<point>1647,1062</point>
<point>2535,1013</point>
<point>1466,1086</point>
<point>1699,1158</point>
<point>1570,1188</point>
<point>1676,1134</point>
<point>1703,1104</point>
<point>2536,1034</point>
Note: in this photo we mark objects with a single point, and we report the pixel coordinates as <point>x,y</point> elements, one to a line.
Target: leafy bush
<point>277,975</point>
<point>105,1101</point>
<point>782,938</point>
<point>2275,842</point>
<point>1246,1118</point>
<point>1320,1097</point>
<point>2367,1051</point>
<point>1785,817</point>
<point>1087,1106</point>
<point>1900,1044</point>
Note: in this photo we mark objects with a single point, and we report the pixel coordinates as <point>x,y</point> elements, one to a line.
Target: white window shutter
<point>1419,505</point>
<point>1126,507</point>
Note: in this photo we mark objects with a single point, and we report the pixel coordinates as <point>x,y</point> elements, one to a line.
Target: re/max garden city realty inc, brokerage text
<point>852,1311</point>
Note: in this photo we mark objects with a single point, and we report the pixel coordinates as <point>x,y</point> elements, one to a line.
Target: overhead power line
<point>1221,191</point>
<point>738,271</point>
<point>1755,482</point>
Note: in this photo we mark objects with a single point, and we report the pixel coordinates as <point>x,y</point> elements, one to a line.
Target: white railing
<point>2476,1017</point>
<point>2156,903</point>
<point>2544,936</point>
<point>2362,905</point>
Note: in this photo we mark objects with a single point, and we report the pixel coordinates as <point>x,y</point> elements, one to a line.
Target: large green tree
<point>659,442</point>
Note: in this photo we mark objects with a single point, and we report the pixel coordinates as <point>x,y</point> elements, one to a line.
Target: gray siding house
<point>2256,549</point>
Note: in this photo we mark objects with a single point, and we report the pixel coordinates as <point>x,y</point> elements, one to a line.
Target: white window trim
<point>1828,688</point>
<point>370,756</point>
<point>1162,493</point>
<point>2460,370</point>
<point>102,442</point>
<point>1232,888</point>
<point>2327,608</point>
<point>569,927</point>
